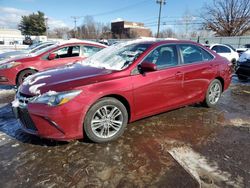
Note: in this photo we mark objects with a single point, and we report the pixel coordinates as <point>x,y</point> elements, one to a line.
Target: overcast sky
<point>60,12</point>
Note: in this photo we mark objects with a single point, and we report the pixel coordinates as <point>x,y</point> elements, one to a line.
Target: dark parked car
<point>243,66</point>
<point>118,85</point>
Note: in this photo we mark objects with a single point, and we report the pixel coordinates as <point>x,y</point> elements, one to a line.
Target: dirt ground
<point>188,147</point>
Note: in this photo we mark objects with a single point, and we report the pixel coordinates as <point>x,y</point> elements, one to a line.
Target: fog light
<point>3,79</point>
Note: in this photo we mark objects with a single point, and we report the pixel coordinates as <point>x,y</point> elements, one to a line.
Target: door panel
<point>157,90</point>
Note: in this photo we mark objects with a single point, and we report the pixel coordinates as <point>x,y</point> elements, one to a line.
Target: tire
<point>24,74</point>
<point>213,93</point>
<point>106,120</point>
<point>242,78</point>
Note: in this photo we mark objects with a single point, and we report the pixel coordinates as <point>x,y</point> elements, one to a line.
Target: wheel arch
<point>30,68</point>
<point>221,81</point>
<point>123,100</point>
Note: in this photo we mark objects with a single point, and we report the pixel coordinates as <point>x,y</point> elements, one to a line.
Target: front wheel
<point>24,74</point>
<point>213,93</point>
<point>106,120</point>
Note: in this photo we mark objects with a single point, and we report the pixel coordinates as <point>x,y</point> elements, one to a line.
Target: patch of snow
<point>28,80</point>
<point>50,93</point>
<point>244,56</point>
<point>238,122</point>
<point>198,166</point>
<point>116,63</point>
<point>73,40</point>
<point>34,88</point>
<point>5,92</point>
<point>15,103</point>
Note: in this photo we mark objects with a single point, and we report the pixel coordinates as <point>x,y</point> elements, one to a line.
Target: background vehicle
<point>15,70</point>
<point>226,51</point>
<point>243,66</point>
<point>31,49</point>
<point>117,85</point>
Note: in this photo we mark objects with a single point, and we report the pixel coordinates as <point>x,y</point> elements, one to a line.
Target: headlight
<point>9,65</point>
<point>56,99</point>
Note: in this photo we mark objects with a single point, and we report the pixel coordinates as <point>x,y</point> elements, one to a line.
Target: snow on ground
<point>199,167</point>
<point>7,92</point>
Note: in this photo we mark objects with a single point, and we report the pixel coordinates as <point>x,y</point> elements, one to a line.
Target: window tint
<point>164,56</point>
<point>69,51</point>
<point>90,50</point>
<point>224,49</point>
<point>221,49</point>
<point>216,49</point>
<point>191,53</point>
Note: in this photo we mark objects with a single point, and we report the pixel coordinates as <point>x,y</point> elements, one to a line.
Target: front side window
<point>192,54</point>
<point>163,56</point>
<point>68,51</point>
<point>90,50</point>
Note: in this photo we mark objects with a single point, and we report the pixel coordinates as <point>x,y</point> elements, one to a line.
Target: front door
<point>161,89</point>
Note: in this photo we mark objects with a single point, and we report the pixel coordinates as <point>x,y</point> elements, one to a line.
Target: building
<point>125,29</point>
<point>11,36</point>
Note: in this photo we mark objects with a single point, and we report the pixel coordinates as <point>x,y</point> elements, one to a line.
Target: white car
<point>226,51</point>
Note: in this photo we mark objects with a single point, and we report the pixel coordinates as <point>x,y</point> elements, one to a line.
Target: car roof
<point>73,41</point>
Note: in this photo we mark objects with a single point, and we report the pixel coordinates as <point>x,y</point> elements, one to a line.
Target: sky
<point>60,12</point>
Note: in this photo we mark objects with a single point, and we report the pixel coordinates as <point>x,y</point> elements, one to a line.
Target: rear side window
<point>193,54</point>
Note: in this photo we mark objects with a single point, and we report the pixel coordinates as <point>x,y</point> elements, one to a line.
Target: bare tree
<point>167,33</point>
<point>227,17</point>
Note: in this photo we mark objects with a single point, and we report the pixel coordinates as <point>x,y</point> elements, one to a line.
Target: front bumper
<point>8,76</point>
<point>59,123</point>
<point>243,70</point>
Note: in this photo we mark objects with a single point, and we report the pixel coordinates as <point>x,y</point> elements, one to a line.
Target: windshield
<point>117,57</point>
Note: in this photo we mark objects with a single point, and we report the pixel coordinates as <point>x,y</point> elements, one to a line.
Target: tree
<point>227,17</point>
<point>33,24</point>
<point>60,32</point>
<point>167,33</point>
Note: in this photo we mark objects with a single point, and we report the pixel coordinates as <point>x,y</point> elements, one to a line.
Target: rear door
<point>223,51</point>
<point>199,69</point>
<point>161,89</point>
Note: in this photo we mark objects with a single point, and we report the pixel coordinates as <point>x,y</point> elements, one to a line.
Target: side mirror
<point>52,56</point>
<point>147,67</point>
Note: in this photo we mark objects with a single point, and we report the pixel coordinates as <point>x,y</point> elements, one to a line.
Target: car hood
<point>19,58</point>
<point>62,79</point>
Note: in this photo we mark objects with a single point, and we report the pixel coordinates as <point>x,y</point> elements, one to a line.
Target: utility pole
<point>47,27</point>
<point>75,18</point>
<point>161,2</point>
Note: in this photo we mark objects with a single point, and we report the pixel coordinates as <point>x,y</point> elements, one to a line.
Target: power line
<point>120,9</point>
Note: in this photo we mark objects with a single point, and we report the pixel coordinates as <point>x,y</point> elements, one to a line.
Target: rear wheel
<point>24,74</point>
<point>213,93</point>
<point>106,120</point>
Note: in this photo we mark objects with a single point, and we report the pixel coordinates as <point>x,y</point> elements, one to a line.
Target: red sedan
<point>118,85</point>
<point>15,70</point>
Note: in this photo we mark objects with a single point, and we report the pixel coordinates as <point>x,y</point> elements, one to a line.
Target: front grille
<point>26,120</point>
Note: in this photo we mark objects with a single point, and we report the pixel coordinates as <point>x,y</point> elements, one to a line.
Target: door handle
<point>178,73</point>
